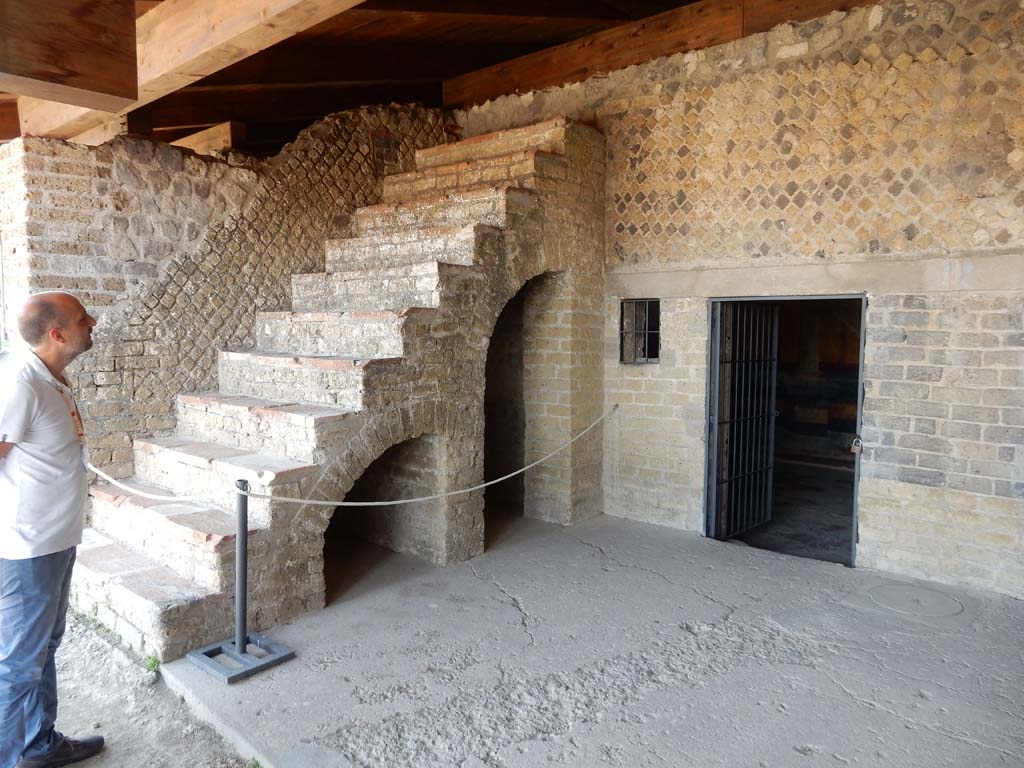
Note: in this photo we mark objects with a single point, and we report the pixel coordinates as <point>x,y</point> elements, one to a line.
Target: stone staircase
<point>387,345</point>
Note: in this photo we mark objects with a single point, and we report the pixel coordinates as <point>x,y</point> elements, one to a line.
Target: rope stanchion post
<point>241,662</point>
<point>241,566</point>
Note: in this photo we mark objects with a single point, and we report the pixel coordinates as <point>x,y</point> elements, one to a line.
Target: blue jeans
<point>33,610</point>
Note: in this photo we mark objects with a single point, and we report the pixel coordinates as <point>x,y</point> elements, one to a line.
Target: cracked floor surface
<point>622,644</point>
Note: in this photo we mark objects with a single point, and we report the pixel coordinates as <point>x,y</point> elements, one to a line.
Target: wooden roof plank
<point>75,51</point>
<point>699,25</point>
<point>202,107</point>
<point>581,10</point>
<point>762,15</point>
<point>182,41</point>
<point>9,126</point>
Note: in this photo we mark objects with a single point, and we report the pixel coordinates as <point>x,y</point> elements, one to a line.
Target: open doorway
<point>504,421</point>
<point>785,384</point>
<point>358,538</point>
<point>524,393</point>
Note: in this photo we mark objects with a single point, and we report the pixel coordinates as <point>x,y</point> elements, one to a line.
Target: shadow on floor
<point>812,514</point>
<point>499,522</point>
<point>346,562</point>
<point>349,560</point>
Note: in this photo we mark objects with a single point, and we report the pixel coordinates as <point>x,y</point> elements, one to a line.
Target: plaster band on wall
<point>988,272</point>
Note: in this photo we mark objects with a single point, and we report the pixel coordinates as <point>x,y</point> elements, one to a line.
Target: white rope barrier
<point>396,502</point>
<point>143,494</point>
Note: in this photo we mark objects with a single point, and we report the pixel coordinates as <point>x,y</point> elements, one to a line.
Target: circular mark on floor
<point>915,601</point>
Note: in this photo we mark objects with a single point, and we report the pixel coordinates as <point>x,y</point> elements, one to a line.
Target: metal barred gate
<point>741,428</point>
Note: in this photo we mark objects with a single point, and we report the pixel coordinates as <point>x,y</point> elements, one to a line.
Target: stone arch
<point>369,436</point>
<point>516,433</point>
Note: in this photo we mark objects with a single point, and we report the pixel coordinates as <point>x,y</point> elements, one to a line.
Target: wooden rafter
<point>182,41</point>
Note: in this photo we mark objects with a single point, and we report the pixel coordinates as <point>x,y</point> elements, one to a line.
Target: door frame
<point>711,358</point>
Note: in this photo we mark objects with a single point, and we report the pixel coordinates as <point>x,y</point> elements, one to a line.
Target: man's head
<point>55,323</point>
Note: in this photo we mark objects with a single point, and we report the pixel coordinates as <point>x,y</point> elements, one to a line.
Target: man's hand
<point>5,448</point>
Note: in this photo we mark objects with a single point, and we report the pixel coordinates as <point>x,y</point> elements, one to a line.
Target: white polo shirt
<point>43,484</point>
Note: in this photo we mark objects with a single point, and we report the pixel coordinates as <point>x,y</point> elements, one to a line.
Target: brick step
<point>456,244</point>
<point>154,610</point>
<point>493,205</point>
<point>351,334</point>
<point>194,540</point>
<point>549,136</point>
<point>517,169</point>
<point>209,470</point>
<point>293,430</point>
<point>388,288</point>
<point>325,380</point>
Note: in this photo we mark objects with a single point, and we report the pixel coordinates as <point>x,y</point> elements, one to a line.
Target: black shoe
<point>69,751</point>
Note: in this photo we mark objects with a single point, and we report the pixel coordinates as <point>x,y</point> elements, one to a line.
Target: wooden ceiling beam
<point>181,42</point>
<point>699,25</point>
<point>201,107</point>
<point>78,52</point>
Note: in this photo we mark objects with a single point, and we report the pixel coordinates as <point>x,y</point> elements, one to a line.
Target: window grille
<point>640,331</point>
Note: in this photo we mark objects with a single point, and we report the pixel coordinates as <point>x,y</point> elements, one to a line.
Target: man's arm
<point>5,448</point>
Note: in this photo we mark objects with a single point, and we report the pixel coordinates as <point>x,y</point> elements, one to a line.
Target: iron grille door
<point>741,430</point>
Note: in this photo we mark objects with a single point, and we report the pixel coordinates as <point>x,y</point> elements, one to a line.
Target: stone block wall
<point>177,252</point>
<point>878,152</point>
<point>106,224</point>
<point>882,133</point>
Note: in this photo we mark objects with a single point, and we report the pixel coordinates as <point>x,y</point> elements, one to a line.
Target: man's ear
<point>57,334</point>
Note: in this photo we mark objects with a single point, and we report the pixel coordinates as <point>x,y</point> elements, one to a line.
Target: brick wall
<point>944,409</point>
<point>13,235</point>
<point>876,152</point>
<point>176,252</point>
<point>654,447</point>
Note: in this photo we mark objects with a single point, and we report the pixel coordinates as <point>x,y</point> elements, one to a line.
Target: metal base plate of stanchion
<point>235,666</point>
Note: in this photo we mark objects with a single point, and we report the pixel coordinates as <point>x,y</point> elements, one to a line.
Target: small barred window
<point>640,331</point>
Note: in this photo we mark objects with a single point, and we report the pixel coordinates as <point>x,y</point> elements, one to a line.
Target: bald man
<point>42,510</point>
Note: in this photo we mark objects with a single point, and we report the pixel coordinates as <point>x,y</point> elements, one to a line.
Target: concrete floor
<point>622,644</point>
<point>812,513</point>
